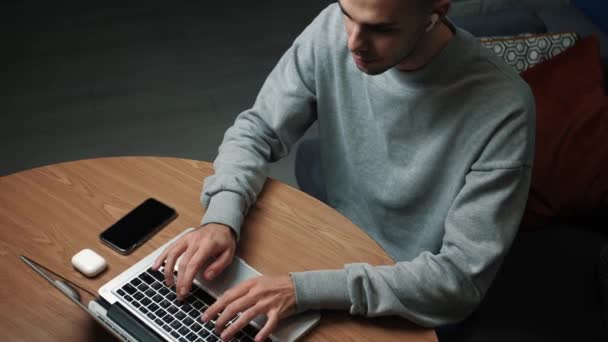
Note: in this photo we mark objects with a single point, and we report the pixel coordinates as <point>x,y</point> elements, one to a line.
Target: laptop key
<point>182,339</point>
<point>168,319</point>
<point>246,338</point>
<point>212,338</point>
<point>160,313</point>
<point>156,274</point>
<point>194,314</point>
<point>204,296</point>
<point>196,327</point>
<point>143,310</point>
<point>156,285</point>
<point>143,287</point>
<point>146,278</point>
<point>164,291</point>
<point>135,282</point>
<point>159,322</point>
<point>165,304</point>
<point>150,293</point>
<point>167,328</point>
<point>153,307</point>
<point>171,296</point>
<point>176,325</point>
<point>172,309</point>
<point>209,325</point>
<point>198,305</point>
<point>129,298</point>
<point>136,304</point>
<point>128,288</point>
<point>203,333</point>
<point>184,331</point>
<point>146,301</point>
<point>180,315</point>
<point>191,337</point>
<point>175,334</point>
<point>151,316</point>
<point>250,330</point>
<point>158,298</point>
<point>138,295</point>
<point>186,308</point>
<point>188,321</point>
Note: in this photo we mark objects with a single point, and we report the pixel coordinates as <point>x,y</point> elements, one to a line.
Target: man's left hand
<point>274,297</point>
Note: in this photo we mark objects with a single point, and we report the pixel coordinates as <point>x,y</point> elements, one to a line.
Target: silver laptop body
<point>127,319</point>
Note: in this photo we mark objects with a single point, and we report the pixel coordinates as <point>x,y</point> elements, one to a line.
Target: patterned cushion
<point>526,50</point>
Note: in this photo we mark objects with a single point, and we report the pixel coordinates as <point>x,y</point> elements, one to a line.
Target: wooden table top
<point>51,213</point>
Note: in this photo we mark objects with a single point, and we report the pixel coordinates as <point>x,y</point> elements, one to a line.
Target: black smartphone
<point>138,225</point>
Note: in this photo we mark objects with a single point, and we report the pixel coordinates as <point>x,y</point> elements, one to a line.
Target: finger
<point>219,264</point>
<point>189,272</point>
<point>172,256</point>
<point>269,327</point>
<point>245,318</point>
<point>239,305</point>
<point>182,285</point>
<point>223,301</point>
<point>188,268</point>
<point>159,260</point>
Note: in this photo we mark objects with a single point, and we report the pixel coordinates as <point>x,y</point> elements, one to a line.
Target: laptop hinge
<point>125,320</point>
<point>103,303</point>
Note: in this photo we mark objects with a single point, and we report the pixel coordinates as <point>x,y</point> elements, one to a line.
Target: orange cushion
<point>570,173</point>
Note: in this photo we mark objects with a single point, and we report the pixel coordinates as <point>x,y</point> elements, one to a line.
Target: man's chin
<point>370,70</point>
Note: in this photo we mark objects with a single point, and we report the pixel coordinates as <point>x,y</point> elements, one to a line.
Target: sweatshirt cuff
<point>317,290</point>
<point>226,208</point>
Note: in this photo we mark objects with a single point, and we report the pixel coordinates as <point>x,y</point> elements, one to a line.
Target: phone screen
<point>138,225</point>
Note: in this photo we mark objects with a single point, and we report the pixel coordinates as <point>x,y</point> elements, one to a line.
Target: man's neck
<point>429,46</point>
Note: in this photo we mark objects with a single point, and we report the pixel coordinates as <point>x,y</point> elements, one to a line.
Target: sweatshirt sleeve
<point>284,109</point>
<point>444,287</point>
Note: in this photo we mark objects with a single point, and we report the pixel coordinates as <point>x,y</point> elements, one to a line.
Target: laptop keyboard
<point>148,294</point>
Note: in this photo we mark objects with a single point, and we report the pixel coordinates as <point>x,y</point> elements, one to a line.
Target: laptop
<point>137,306</point>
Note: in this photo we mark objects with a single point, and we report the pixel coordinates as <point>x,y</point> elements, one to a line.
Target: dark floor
<point>117,78</point>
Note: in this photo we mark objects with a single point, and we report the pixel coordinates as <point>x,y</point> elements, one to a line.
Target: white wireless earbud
<point>433,20</point>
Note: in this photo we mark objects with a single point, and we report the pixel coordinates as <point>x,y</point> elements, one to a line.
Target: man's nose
<point>356,40</point>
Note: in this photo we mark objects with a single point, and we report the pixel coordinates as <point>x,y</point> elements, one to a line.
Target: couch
<point>552,285</point>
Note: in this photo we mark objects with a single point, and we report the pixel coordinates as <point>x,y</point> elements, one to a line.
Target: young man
<point>426,144</point>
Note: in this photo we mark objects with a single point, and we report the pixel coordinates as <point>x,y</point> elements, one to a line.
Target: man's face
<point>382,33</point>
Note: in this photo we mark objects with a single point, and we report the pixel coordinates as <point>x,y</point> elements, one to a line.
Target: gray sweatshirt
<point>434,165</point>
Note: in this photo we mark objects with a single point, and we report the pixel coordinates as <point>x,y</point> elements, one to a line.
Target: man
<point>426,144</point>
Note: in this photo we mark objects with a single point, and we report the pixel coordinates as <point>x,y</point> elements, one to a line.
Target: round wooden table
<point>50,213</point>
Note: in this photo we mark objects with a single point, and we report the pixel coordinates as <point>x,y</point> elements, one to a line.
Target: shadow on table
<point>97,333</point>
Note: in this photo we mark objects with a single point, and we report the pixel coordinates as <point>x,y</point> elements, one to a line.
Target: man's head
<point>384,33</point>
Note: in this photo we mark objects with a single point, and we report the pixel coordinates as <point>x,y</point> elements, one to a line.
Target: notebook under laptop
<point>137,306</point>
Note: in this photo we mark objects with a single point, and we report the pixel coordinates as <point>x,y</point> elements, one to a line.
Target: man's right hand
<point>212,244</point>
